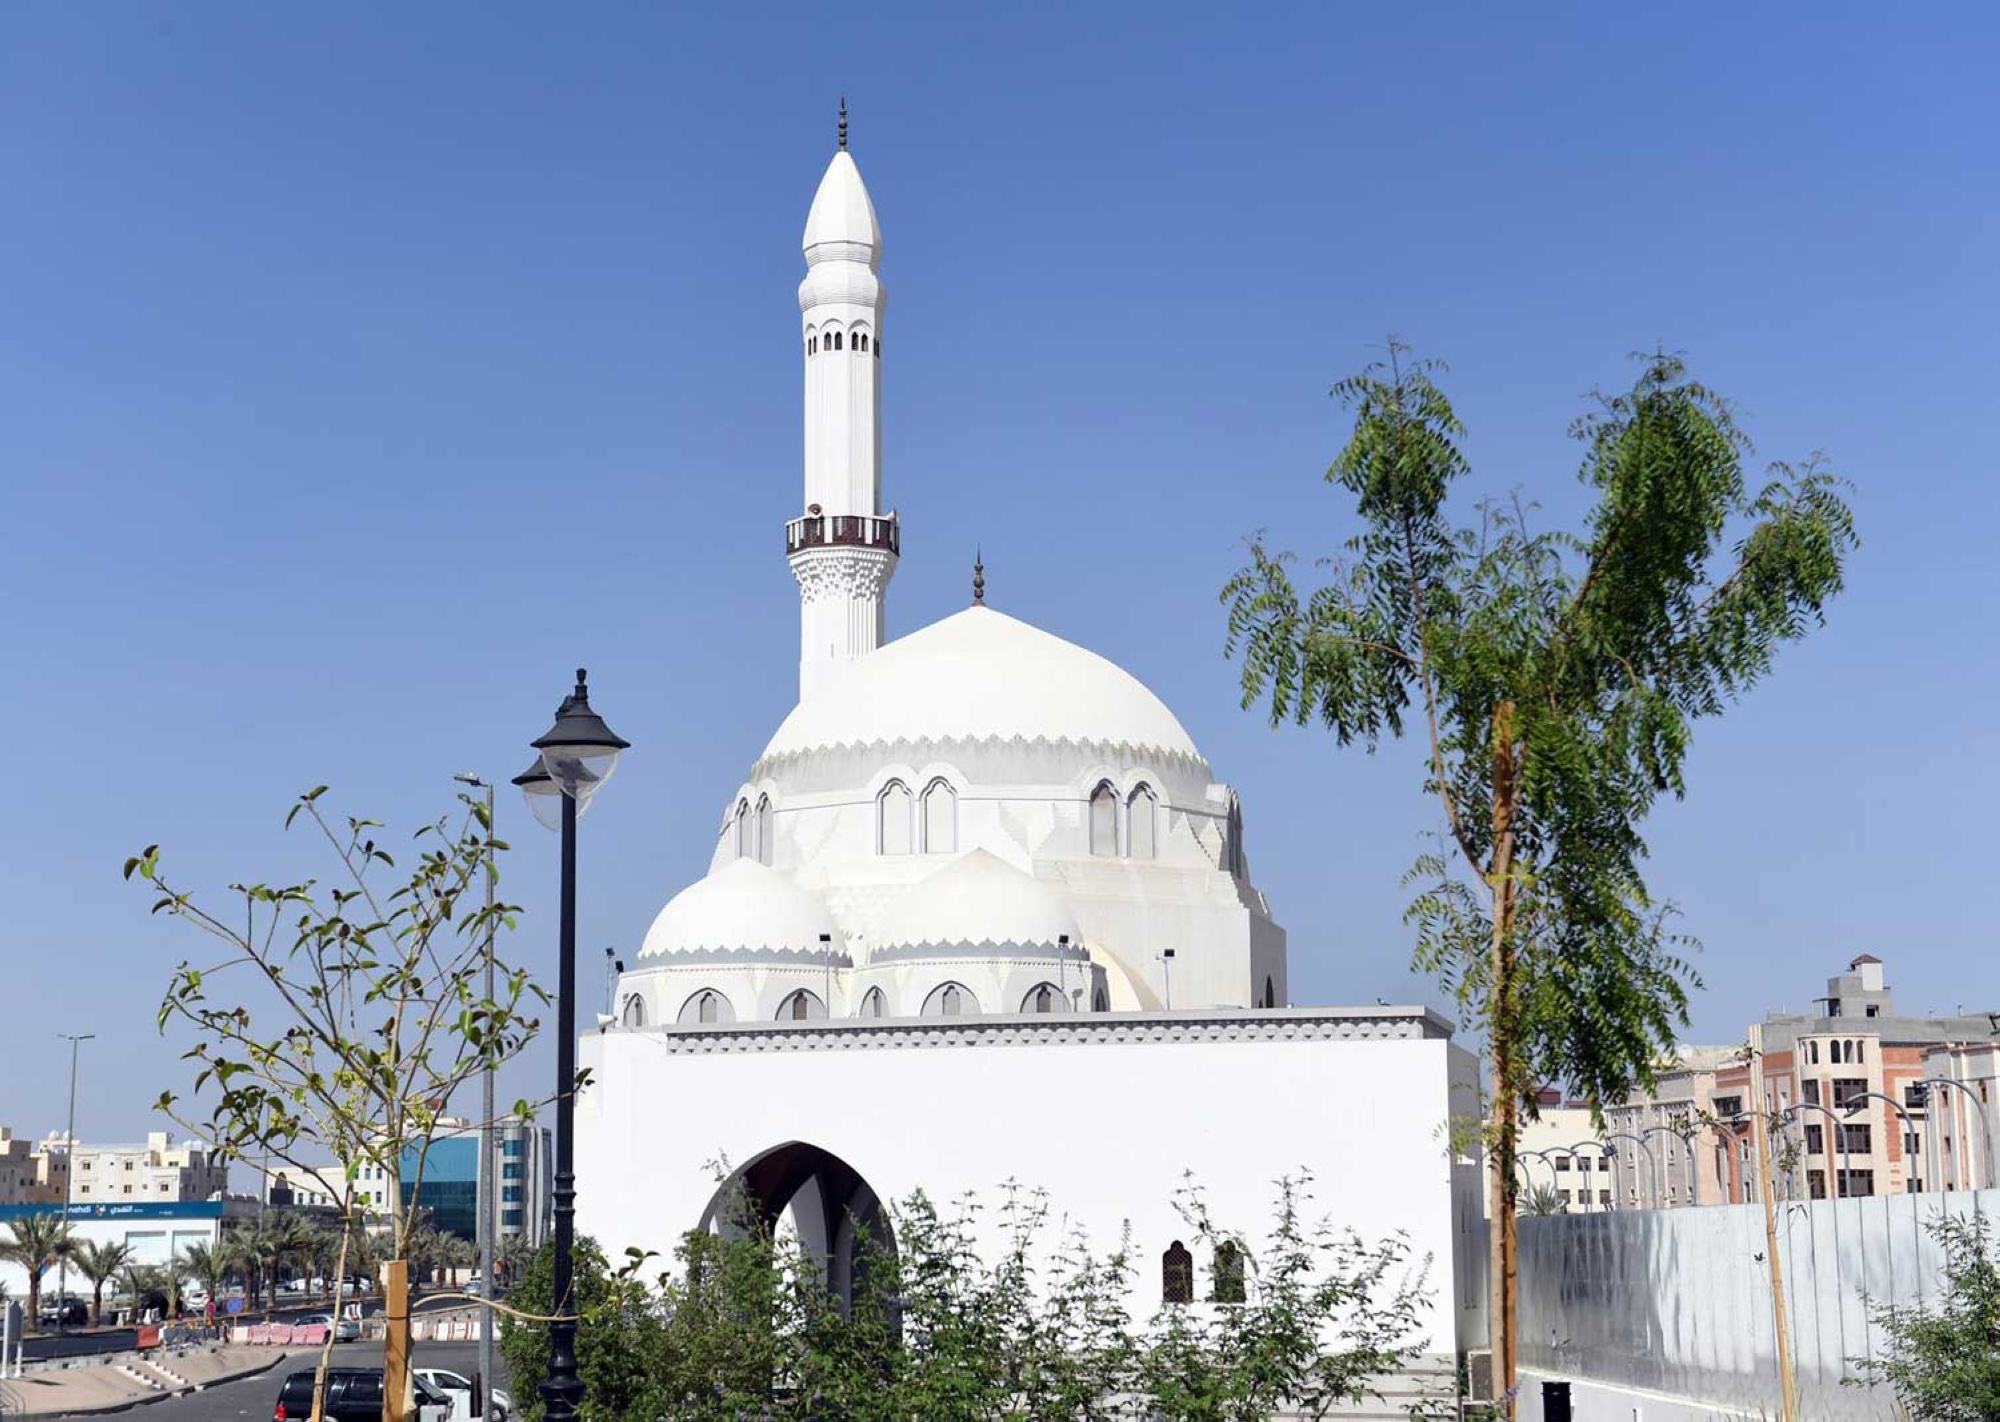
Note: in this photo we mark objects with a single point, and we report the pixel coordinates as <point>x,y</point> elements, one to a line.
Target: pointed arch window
<point>1100,1001</point>
<point>1270,992</point>
<point>951,1000</point>
<point>875,1004</point>
<point>1045,997</point>
<point>1104,821</point>
<point>861,342</point>
<point>746,831</point>
<point>635,1011</point>
<point>801,1006</point>
<point>706,1007</point>
<point>940,818</point>
<point>1228,1273</point>
<point>1232,850</point>
<point>1177,1274</point>
<point>836,340</point>
<point>893,812</point>
<point>812,345</point>
<point>1140,823</point>
<point>766,841</point>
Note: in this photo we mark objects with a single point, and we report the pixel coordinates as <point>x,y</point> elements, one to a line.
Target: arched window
<point>1045,997</point>
<point>875,1004</point>
<point>892,818</point>
<point>861,342</point>
<point>1861,1051</point>
<point>1177,1274</point>
<point>1232,850</point>
<point>766,841</point>
<point>1104,821</point>
<point>951,1000</point>
<point>940,818</point>
<point>812,345</point>
<point>1139,823</point>
<point>1812,1053</point>
<point>878,348</point>
<point>1270,992</point>
<point>746,831</point>
<point>836,340</point>
<point>635,1011</point>
<point>1228,1273</point>
<point>705,1007</point>
<point>801,1006</point>
<point>1100,1001</point>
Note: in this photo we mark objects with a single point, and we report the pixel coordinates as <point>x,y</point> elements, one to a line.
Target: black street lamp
<point>577,757</point>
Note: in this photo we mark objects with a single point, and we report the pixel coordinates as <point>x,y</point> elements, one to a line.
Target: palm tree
<point>206,1265</point>
<point>1544,1200</point>
<point>39,1240</point>
<point>100,1263</point>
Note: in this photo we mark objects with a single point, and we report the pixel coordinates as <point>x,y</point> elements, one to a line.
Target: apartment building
<point>156,1172</point>
<point>24,1172</point>
<point>1853,1082</point>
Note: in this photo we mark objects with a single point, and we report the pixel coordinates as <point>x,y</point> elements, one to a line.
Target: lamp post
<point>69,1186</point>
<point>1916,1224</point>
<point>577,756</point>
<point>488,1191</point>
<point>1660,1184</point>
<point>1985,1127</point>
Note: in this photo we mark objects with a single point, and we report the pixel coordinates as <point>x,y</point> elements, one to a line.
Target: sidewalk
<point>113,1386</point>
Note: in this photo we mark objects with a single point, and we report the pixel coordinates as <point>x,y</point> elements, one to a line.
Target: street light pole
<point>69,1185</point>
<point>488,1193</point>
<point>577,756</point>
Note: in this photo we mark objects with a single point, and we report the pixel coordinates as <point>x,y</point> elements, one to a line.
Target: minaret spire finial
<point>978,578</point>
<point>843,123</point>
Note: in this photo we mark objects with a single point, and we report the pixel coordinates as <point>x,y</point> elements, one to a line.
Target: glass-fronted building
<point>449,1188</point>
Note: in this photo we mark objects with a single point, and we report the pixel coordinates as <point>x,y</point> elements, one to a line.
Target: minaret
<point>843,548</point>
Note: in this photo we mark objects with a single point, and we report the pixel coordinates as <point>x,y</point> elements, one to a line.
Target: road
<point>118,1340</point>
<point>255,1396</point>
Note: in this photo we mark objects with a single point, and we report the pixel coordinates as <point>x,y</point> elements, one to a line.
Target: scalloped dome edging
<point>741,907</point>
<point>981,675</point>
<point>978,899</point>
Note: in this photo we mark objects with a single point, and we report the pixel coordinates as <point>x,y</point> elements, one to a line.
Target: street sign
<point>235,1304</point>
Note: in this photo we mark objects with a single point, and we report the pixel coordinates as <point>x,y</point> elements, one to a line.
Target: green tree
<point>1943,1359</point>
<point>338,1021</point>
<point>100,1262</point>
<point>206,1264</point>
<point>1556,678</point>
<point>621,1355</point>
<point>1544,1201</point>
<point>38,1242</point>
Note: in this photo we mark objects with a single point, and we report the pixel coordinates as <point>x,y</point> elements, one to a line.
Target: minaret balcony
<point>843,531</point>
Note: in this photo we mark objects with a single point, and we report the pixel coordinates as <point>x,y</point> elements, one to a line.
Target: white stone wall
<point>1106,1112</point>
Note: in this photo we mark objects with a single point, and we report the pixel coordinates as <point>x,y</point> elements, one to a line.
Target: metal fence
<point>1679,1301</point>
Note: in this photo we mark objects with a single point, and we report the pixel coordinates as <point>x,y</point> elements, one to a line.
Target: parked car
<point>69,1313</point>
<point>345,1330</point>
<point>458,1388</point>
<point>353,1395</point>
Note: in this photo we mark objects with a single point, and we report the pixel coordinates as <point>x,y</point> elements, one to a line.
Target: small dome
<point>842,217</point>
<point>740,907</point>
<point>979,899</point>
<point>979,675</point>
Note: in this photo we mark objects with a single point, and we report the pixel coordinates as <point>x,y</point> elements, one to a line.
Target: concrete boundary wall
<point>1678,1302</point>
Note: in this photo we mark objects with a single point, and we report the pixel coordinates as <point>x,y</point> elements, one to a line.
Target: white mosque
<point>981,912</point>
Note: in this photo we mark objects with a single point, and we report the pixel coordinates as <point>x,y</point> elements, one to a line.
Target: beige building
<point>24,1172</point>
<point>1851,1083</point>
<point>154,1172</point>
<point>1559,1151</point>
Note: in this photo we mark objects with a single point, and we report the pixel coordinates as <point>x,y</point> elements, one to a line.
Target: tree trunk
<point>33,1323</point>
<point>326,1349</point>
<point>97,1306</point>
<point>396,1352</point>
<point>1502,1047</point>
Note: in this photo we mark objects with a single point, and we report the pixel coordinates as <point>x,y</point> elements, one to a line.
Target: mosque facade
<point>981,912</point>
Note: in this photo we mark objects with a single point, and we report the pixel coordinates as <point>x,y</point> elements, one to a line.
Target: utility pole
<point>69,1184</point>
<point>487,1193</point>
<point>1787,1383</point>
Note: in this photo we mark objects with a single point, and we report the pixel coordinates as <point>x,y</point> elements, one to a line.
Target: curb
<point>109,1408</point>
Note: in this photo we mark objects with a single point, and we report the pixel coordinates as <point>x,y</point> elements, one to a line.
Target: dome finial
<point>978,578</point>
<point>843,123</point>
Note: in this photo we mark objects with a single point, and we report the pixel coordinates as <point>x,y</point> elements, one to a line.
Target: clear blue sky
<point>365,369</point>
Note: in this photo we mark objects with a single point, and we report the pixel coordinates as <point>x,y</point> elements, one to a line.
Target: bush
<point>744,1327</point>
<point>1944,1360</point>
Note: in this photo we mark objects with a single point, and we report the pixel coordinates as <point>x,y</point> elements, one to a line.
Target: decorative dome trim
<point>979,900</point>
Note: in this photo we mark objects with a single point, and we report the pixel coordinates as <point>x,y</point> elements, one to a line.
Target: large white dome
<point>979,900</point>
<point>982,675</point>
<point>741,907</point>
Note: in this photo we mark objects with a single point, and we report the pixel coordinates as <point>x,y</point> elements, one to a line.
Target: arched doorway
<point>839,1217</point>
